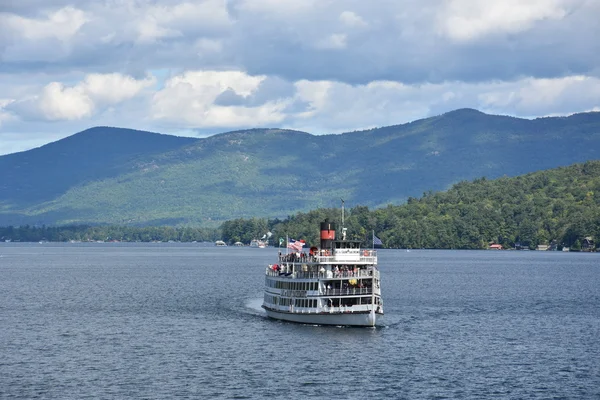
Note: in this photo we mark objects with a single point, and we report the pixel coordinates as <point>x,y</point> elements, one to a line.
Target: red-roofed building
<point>495,247</point>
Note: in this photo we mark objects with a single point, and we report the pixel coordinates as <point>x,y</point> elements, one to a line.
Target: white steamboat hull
<point>340,319</point>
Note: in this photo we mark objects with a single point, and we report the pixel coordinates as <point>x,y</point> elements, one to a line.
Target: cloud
<point>531,97</point>
<point>114,88</point>
<point>339,107</point>
<point>350,41</point>
<point>5,115</point>
<point>202,99</point>
<point>183,19</point>
<point>60,24</point>
<point>288,8</point>
<point>57,101</point>
<point>352,20</point>
<point>269,89</point>
<point>322,66</point>
<point>471,19</point>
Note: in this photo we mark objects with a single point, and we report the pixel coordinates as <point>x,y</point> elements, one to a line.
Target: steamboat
<point>337,283</point>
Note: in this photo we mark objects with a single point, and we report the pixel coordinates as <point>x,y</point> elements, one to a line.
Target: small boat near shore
<point>337,283</point>
<point>261,244</point>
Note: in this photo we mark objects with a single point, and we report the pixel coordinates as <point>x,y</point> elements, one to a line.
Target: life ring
<point>366,253</point>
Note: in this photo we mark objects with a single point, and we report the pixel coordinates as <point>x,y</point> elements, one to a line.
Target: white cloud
<point>277,7</point>
<point>149,30</point>
<point>57,101</point>
<point>315,94</point>
<point>5,115</point>
<point>114,88</point>
<point>189,100</point>
<point>340,107</point>
<point>168,21</point>
<point>471,19</point>
<point>530,97</point>
<point>353,20</point>
<point>61,24</point>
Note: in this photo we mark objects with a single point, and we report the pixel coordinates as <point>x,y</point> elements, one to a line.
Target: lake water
<point>157,321</point>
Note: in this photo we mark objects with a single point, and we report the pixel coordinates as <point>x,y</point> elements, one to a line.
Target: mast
<point>343,228</point>
<point>342,213</point>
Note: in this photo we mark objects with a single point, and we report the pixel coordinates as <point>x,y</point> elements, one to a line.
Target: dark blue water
<point>159,321</point>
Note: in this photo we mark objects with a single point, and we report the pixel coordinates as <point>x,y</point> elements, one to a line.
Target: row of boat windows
<point>353,301</point>
<point>333,302</point>
<point>284,301</point>
<point>292,285</point>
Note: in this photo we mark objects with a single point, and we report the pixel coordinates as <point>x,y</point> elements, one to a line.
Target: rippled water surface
<point>162,321</point>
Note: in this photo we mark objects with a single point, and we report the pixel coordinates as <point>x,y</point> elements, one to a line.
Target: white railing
<point>341,256</point>
<point>358,259</point>
<point>347,291</point>
<point>361,273</point>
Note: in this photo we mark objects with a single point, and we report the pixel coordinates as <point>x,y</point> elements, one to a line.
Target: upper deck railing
<point>361,273</point>
<point>348,256</point>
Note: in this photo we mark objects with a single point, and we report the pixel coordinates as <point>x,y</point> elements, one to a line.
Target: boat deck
<point>369,272</point>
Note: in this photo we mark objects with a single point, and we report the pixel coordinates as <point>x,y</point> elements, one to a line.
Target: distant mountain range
<point>119,176</point>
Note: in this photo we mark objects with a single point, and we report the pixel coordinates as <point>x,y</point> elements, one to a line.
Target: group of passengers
<point>345,271</point>
<point>294,257</point>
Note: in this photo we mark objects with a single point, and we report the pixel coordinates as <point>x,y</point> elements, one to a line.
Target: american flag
<point>377,241</point>
<point>295,244</point>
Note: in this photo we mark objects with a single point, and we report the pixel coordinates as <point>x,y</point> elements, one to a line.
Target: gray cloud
<point>323,66</point>
<point>409,48</point>
<point>398,41</point>
<point>270,89</point>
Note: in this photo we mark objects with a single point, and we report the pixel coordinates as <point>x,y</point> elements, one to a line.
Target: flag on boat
<point>296,244</point>
<point>377,241</point>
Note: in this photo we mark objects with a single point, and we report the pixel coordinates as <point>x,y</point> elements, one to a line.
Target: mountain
<point>110,175</point>
<point>559,206</point>
<point>42,174</point>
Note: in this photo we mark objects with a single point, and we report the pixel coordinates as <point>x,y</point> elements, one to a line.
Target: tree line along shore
<point>558,208</point>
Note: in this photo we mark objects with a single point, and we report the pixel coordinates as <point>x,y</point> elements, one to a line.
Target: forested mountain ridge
<point>112,176</point>
<point>559,206</point>
<point>42,174</point>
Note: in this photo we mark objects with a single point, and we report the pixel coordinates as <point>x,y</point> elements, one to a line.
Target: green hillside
<point>119,177</point>
<point>560,205</point>
<point>33,177</point>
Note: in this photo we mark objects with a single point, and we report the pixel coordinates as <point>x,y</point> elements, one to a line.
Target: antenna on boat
<point>343,228</point>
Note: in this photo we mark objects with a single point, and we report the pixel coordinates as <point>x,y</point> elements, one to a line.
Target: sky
<point>196,68</point>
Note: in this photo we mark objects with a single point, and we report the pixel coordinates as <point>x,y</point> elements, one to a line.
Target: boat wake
<point>255,306</point>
